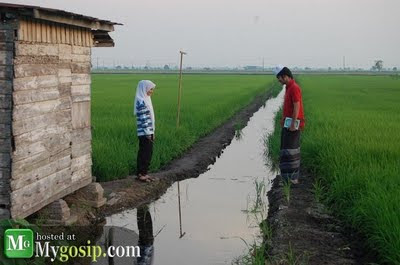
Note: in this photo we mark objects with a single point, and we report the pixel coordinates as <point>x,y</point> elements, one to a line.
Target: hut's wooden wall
<point>6,76</point>
<point>47,32</point>
<point>51,115</point>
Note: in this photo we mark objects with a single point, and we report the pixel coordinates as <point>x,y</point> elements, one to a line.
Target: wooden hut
<point>45,130</point>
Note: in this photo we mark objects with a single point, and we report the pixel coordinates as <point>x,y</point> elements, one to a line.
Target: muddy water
<point>219,210</point>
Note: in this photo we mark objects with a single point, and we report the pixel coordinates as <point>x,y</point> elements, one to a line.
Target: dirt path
<point>130,193</point>
<point>304,231</point>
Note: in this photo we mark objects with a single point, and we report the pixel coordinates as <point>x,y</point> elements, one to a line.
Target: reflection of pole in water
<point>180,214</point>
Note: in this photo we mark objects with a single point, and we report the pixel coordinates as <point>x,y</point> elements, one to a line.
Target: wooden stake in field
<point>179,89</point>
<point>177,126</point>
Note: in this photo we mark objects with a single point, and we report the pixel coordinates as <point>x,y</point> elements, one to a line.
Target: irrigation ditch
<point>221,184</point>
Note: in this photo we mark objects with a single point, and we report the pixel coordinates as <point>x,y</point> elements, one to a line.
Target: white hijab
<point>141,95</point>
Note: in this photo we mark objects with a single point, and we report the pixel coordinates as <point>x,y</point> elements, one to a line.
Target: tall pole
<point>179,89</point>
<point>177,126</point>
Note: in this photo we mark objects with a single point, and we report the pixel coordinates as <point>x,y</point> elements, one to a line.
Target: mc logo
<point>18,243</point>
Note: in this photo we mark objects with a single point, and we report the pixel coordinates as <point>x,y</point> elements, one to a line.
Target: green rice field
<point>351,144</point>
<point>207,101</point>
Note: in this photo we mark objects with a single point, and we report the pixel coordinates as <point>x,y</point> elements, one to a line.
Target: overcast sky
<point>313,33</point>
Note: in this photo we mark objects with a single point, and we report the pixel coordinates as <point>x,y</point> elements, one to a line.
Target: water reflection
<point>206,220</point>
<point>146,237</point>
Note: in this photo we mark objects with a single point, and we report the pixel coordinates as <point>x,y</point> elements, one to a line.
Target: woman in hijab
<point>144,112</point>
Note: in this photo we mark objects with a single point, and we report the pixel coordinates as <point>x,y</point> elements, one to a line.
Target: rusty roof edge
<point>61,16</point>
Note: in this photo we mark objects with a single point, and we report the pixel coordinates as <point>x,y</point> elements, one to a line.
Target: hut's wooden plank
<point>79,37</point>
<point>23,211</point>
<point>5,87</point>
<point>80,149</point>
<point>64,80</point>
<point>53,33</point>
<point>80,42</point>
<point>81,162</point>
<point>50,131</point>
<point>90,38</point>
<point>35,60</point>
<point>36,49</point>
<point>22,125</point>
<point>5,145</point>
<point>6,46</point>
<point>34,70</point>
<point>80,79</point>
<point>84,174</point>
<point>79,58</point>
<point>65,90</point>
<point>84,39</point>
<point>6,72</point>
<point>39,31</point>
<point>65,53</point>
<point>30,164</point>
<point>88,32</point>
<point>35,175</point>
<point>71,35</point>
<point>36,29</point>
<point>35,82</point>
<point>79,90</point>
<point>80,115</point>
<point>81,68</point>
<point>5,130</point>
<point>80,98</point>
<point>5,101</point>
<point>35,109</point>
<point>83,33</point>
<point>6,57</point>
<point>22,30</point>
<point>74,30</point>
<point>80,50</point>
<point>48,33</point>
<point>27,32</point>
<point>6,35</point>
<point>5,173</point>
<point>67,34</point>
<point>66,103</point>
<point>32,33</point>
<point>50,144</point>
<point>64,71</point>
<point>81,135</point>
<point>5,160</point>
<point>5,116</point>
<point>83,44</point>
<point>43,31</point>
<point>63,33</point>
<point>30,96</point>
<point>27,197</point>
<point>58,33</point>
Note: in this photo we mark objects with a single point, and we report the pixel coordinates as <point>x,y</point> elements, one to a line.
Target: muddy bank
<point>130,193</point>
<point>304,230</point>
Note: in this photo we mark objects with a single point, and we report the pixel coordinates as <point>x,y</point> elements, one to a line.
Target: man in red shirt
<point>290,135</point>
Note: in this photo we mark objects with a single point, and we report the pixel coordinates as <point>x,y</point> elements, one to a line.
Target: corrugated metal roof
<point>59,16</point>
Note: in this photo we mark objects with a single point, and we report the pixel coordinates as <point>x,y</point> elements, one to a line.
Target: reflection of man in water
<point>146,238</point>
